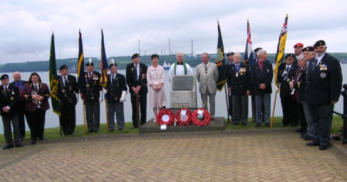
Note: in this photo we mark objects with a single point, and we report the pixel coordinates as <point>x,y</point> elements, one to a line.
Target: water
<point>52,119</point>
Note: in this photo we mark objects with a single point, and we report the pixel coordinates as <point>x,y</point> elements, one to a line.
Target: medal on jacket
<point>237,74</point>
<point>11,98</point>
<point>115,98</point>
<point>92,98</point>
<point>323,67</point>
<point>87,85</point>
<point>323,75</point>
<point>63,90</point>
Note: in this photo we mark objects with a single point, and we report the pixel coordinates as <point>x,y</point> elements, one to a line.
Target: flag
<point>80,67</point>
<point>103,62</point>
<point>249,53</point>
<point>280,48</point>
<point>53,79</point>
<point>220,60</point>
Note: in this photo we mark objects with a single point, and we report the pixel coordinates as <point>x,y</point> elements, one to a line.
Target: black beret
<point>230,53</point>
<point>154,56</point>
<point>64,66</point>
<point>257,49</point>
<point>3,77</point>
<point>90,64</point>
<point>319,43</point>
<point>290,55</point>
<point>136,55</point>
<point>308,48</point>
<point>112,64</point>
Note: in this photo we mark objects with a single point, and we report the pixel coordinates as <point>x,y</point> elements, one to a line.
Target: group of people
<point>309,80</point>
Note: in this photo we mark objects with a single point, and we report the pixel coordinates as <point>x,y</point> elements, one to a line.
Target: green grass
<point>53,133</point>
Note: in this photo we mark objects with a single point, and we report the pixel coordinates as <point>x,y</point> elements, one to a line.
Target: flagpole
<point>273,109</point>
<point>227,101</point>
<point>84,119</point>
<point>137,111</point>
<point>107,118</point>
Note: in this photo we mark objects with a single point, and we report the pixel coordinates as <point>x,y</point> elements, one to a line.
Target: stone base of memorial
<point>216,124</point>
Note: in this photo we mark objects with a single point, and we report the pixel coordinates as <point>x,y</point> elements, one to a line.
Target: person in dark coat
<point>240,86</point>
<point>229,64</point>
<point>9,97</point>
<point>298,86</point>
<point>137,83</point>
<point>92,97</point>
<point>21,102</point>
<point>261,78</point>
<point>286,74</point>
<point>115,97</point>
<point>67,90</point>
<point>323,88</point>
<point>36,96</point>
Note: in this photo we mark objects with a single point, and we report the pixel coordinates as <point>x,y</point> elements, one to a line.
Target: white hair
<point>237,54</point>
<point>300,57</point>
<point>260,52</point>
<point>179,53</point>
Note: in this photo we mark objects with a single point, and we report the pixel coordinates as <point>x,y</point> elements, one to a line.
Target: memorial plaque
<point>182,83</point>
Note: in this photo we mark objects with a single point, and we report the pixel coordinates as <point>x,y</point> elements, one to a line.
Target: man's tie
<point>64,81</point>
<point>135,71</point>
<point>206,69</point>
<point>5,91</point>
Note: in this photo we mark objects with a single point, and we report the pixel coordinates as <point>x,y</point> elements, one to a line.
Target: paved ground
<point>248,155</point>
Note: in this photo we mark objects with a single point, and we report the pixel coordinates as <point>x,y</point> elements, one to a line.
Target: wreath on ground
<point>183,117</point>
<point>201,117</point>
<point>165,117</point>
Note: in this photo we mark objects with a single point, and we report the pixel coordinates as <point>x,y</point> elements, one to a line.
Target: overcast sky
<point>26,26</point>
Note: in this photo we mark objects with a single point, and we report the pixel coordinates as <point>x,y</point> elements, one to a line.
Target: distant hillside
<point>121,61</point>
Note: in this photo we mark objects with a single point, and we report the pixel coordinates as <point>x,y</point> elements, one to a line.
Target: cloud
<point>27,25</point>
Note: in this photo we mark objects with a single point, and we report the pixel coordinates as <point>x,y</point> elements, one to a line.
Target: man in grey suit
<point>207,75</point>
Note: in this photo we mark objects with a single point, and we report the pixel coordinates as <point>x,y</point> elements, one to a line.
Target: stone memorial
<point>183,92</point>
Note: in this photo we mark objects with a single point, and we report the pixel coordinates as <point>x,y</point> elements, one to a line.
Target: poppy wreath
<point>183,121</point>
<point>165,117</point>
<point>201,121</point>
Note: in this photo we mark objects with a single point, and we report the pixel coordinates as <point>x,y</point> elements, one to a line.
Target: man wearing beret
<point>115,97</point>
<point>67,90</point>
<point>286,74</point>
<point>91,97</point>
<point>323,87</point>
<point>9,97</point>
<point>137,82</point>
<point>298,50</point>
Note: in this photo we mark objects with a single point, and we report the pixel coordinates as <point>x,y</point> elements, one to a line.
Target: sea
<point>52,119</point>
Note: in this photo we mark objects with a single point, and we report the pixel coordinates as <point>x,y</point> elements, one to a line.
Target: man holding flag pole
<point>279,57</point>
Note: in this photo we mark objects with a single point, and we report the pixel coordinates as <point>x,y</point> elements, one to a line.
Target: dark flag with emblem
<point>80,67</point>
<point>220,61</point>
<point>53,79</point>
<point>103,62</point>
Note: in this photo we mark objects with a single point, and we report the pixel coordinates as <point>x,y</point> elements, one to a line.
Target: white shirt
<point>137,67</point>
<point>319,59</point>
<point>179,70</point>
<point>288,66</point>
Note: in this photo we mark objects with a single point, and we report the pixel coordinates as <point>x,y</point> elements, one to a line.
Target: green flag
<point>53,79</point>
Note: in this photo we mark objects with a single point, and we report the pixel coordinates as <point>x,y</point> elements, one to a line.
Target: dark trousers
<point>21,123</point>
<point>118,109</point>
<point>36,121</point>
<point>289,111</point>
<point>240,109</point>
<point>7,121</point>
<point>321,119</point>
<point>230,97</point>
<point>68,118</point>
<point>142,108</point>
<point>301,117</point>
<point>93,116</point>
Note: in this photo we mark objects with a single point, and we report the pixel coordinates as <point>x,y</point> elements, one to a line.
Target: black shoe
<point>33,142</point>
<point>42,138</point>
<point>312,144</point>
<point>235,123</point>
<point>308,138</point>
<point>8,146</point>
<point>258,125</point>
<point>120,129</point>
<point>324,147</point>
<point>244,124</point>
<point>111,130</point>
<point>267,124</point>
<point>299,130</point>
<point>19,145</point>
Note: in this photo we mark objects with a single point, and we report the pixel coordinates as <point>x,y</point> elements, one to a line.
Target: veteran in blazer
<point>9,97</point>
<point>207,76</point>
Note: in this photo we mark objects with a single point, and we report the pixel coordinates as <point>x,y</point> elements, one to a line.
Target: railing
<point>344,115</point>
